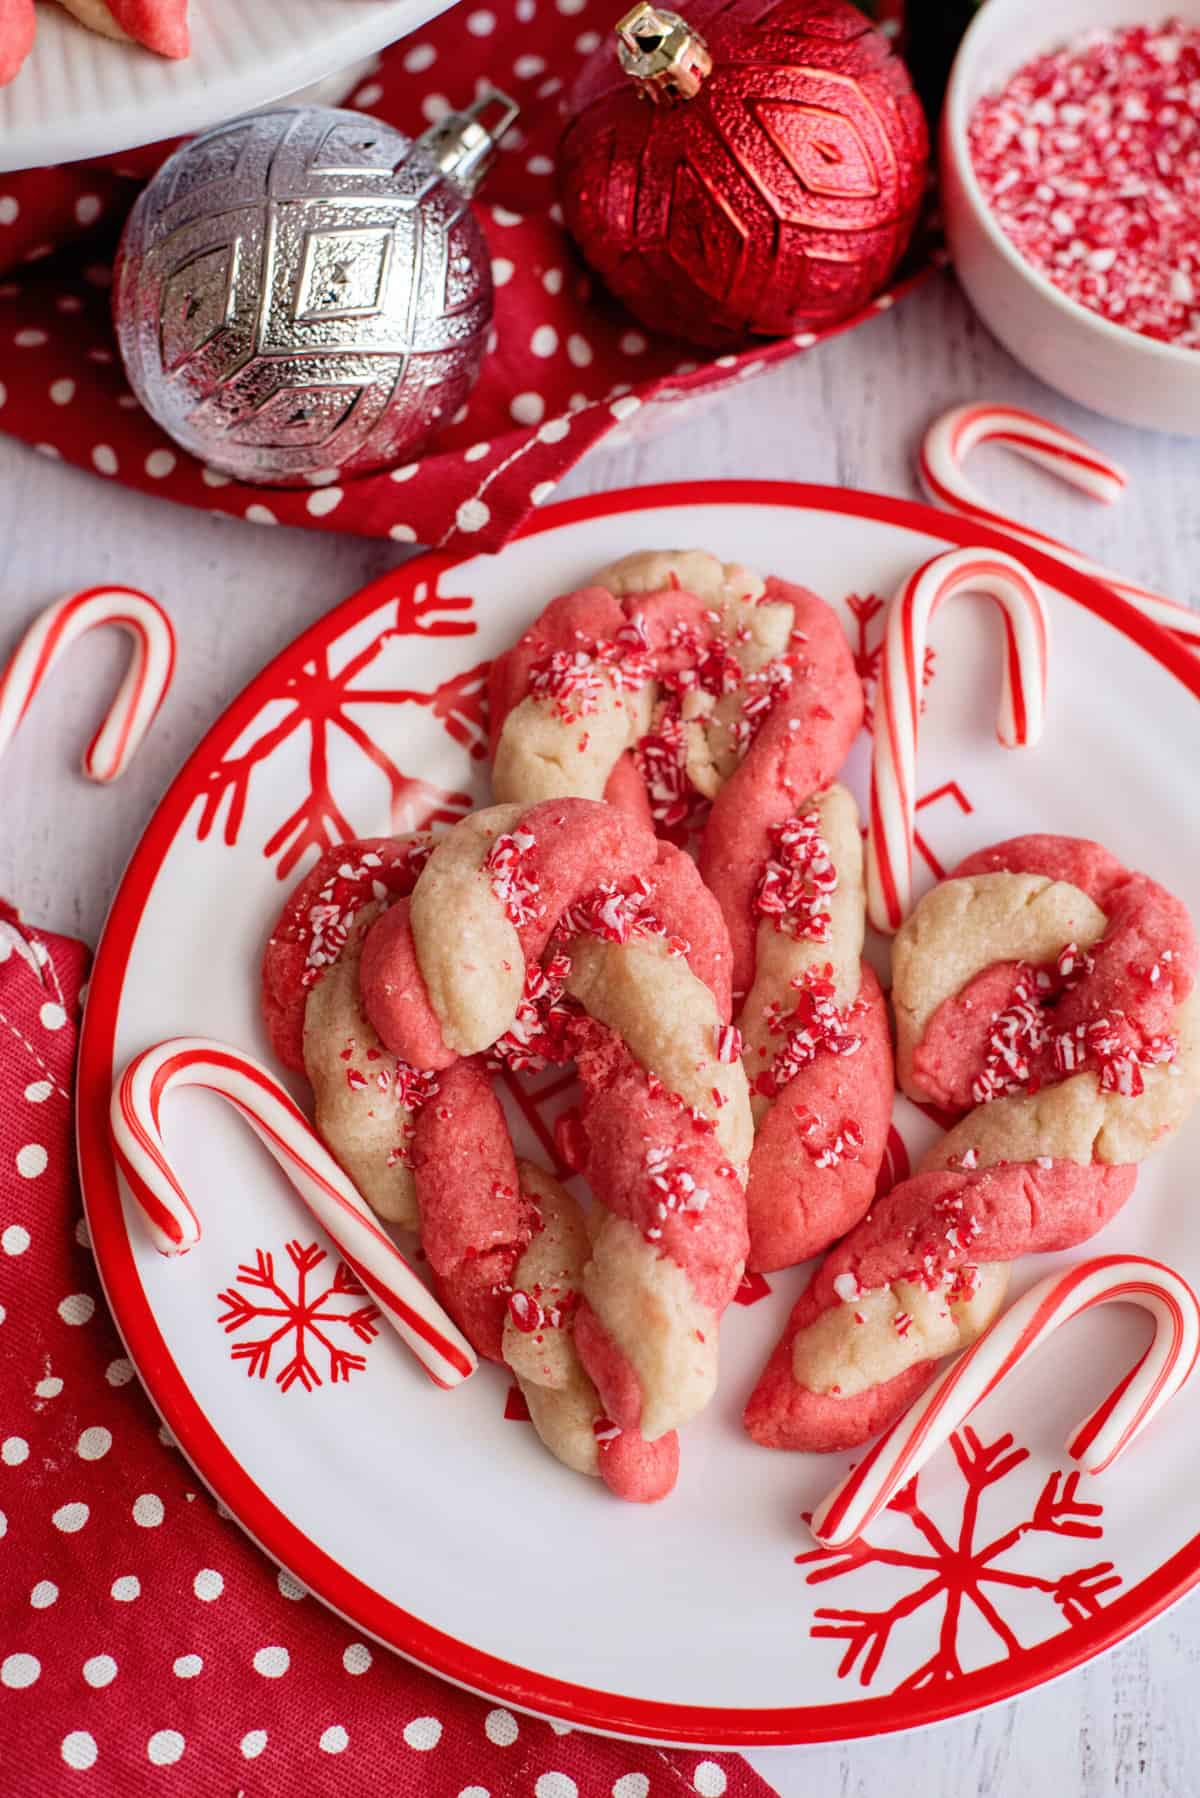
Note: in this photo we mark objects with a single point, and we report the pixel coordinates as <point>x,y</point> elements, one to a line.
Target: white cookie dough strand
<point>951,438</point>
<point>898,702</point>
<point>141,693</point>
<point>136,1126</point>
<point>696,571</point>
<point>359,1087</point>
<point>1102,1437</point>
<point>469,953</point>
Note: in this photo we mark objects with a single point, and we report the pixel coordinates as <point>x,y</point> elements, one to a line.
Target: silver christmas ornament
<point>306,289</point>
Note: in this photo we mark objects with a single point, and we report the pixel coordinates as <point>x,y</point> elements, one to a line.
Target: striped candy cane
<point>140,694</point>
<point>899,1454</point>
<point>278,1122</point>
<point>898,702</point>
<point>950,439</point>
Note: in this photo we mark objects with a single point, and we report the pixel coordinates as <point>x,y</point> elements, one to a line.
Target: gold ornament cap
<point>664,55</point>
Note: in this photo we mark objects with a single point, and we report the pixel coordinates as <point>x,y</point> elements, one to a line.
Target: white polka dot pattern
<point>423,1733</point>
<point>501,1728</point>
<point>272,1662</point>
<point>19,1670</point>
<point>165,1747</point>
<point>709,1779</point>
<point>79,1750</point>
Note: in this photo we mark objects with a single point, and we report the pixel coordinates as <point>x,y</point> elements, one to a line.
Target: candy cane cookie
<point>564,928</point>
<point>506,1243</point>
<point>1046,992</point>
<point>682,688</point>
<point>365,1098</point>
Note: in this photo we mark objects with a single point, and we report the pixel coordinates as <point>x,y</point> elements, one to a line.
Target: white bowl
<point>1137,380</point>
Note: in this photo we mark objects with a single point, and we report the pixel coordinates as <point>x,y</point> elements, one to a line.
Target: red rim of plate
<point>611,1712</point>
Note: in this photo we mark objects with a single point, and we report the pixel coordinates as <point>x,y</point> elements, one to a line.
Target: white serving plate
<point>431,1520</point>
<point>80,94</point>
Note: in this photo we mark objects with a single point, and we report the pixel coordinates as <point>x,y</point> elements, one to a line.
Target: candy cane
<point>1097,1442</point>
<point>950,439</point>
<point>898,702</point>
<point>277,1121</point>
<point>141,692</point>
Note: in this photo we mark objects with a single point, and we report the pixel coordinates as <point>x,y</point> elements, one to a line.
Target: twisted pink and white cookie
<point>509,1247</point>
<point>559,929</point>
<point>1047,992</point>
<point>681,687</point>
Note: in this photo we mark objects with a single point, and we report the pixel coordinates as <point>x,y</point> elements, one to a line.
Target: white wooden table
<point>850,412</point>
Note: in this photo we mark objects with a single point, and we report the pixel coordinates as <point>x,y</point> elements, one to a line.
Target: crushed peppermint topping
<point>410,1087</point>
<point>616,915</point>
<point>1073,964</point>
<point>352,884</point>
<point>1089,158</point>
<point>729,1043</point>
<point>605,1430</point>
<point>507,867</point>
<point>845,1145</point>
<point>1017,1035</point>
<point>798,880</point>
<point>537,1033</point>
<point>847,1288</point>
<point>571,681</point>
<point>1153,972</point>
<point>661,759</point>
<point>400,1154</point>
<point>673,1189</point>
<point>811,1027</point>
<point>529,1312</point>
<point>1021,1039</point>
<point>764,690</point>
<point>1103,1044</point>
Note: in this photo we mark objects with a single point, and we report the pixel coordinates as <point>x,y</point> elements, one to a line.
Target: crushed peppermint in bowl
<point>1089,157</point>
<point>1070,161</point>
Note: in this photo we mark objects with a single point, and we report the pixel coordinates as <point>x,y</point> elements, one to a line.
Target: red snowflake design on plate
<point>865,609</point>
<point>312,1318</point>
<point>751,1288</point>
<point>895,1165</point>
<point>320,698</point>
<point>963,1576</point>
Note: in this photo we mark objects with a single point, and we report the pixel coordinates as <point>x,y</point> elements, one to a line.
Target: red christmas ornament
<point>747,169</point>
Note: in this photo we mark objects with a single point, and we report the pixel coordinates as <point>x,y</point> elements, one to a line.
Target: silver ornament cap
<point>306,289</point>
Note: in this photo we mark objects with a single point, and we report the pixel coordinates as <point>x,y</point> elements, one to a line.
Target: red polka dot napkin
<point>568,367</point>
<point>146,1646</point>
